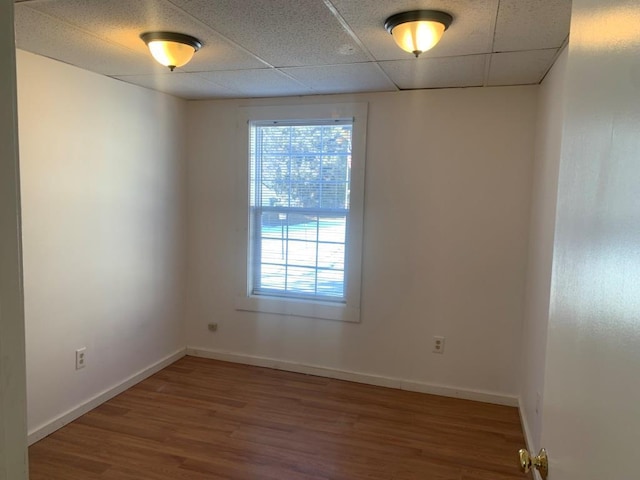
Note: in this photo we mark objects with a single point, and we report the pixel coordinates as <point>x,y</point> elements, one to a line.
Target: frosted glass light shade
<point>171,54</point>
<point>418,37</point>
<point>418,31</point>
<point>171,49</point>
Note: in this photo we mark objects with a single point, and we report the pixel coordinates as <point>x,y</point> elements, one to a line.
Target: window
<point>299,208</point>
<point>303,210</point>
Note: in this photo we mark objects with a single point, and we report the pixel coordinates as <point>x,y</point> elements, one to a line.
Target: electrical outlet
<point>212,327</point>
<point>81,358</point>
<point>438,344</point>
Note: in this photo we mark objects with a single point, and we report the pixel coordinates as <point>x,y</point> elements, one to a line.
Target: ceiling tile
<point>184,85</point>
<point>122,22</point>
<point>467,71</point>
<point>520,68</point>
<point>360,77</point>
<point>318,46</point>
<point>284,33</point>
<point>532,24</point>
<point>257,83</point>
<point>471,31</point>
<point>44,35</point>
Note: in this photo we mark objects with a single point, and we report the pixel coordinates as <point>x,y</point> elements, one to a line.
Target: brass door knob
<point>540,462</point>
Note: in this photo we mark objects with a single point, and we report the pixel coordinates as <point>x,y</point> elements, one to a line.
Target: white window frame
<point>348,311</point>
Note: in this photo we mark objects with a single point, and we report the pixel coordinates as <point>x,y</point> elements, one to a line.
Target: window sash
<point>323,288</point>
<point>260,285</point>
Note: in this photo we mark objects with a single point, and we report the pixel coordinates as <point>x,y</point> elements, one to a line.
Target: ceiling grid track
<point>487,65</point>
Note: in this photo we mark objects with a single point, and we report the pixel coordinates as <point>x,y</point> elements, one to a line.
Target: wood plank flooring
<point>204,419</point>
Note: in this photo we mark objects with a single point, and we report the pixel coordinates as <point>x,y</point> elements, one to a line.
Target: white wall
<point>13,442</point>
<point>103,231</point>
<point>447,205</point>
<point>542,229</point>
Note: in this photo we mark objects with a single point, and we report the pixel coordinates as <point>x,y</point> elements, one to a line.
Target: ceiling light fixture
<point>171,49</point>
<point>419,30</point>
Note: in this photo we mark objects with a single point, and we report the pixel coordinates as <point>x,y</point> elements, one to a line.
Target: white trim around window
<point>349,310</point>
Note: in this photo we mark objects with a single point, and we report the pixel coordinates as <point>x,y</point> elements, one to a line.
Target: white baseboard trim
<point>47,429</point>
<point>525,426</point>
<point>382,381</point>
<point>526,429</point>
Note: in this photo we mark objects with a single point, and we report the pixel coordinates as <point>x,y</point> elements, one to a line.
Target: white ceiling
<point>263,48</point>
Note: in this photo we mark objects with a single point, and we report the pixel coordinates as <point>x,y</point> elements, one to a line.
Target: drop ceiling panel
<point>184,85</point>
<point>44,35</point>
<point>317,46</point>
<point>258,83</point>
<point>361,77</point>
<point>437,72</point>
<point>281,32</point>
<point>471,31</point>
<point>122,21</point>
<point>532,24</point>
<point>520,68</point>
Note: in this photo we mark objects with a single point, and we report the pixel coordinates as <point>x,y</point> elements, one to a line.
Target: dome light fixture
<point>171,49</point>
<point>418,30</point>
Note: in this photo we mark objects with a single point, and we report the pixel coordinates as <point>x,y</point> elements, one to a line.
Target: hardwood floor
<point>204,419</point>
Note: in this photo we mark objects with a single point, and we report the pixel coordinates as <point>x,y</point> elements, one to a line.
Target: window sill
<point>298,308</point>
